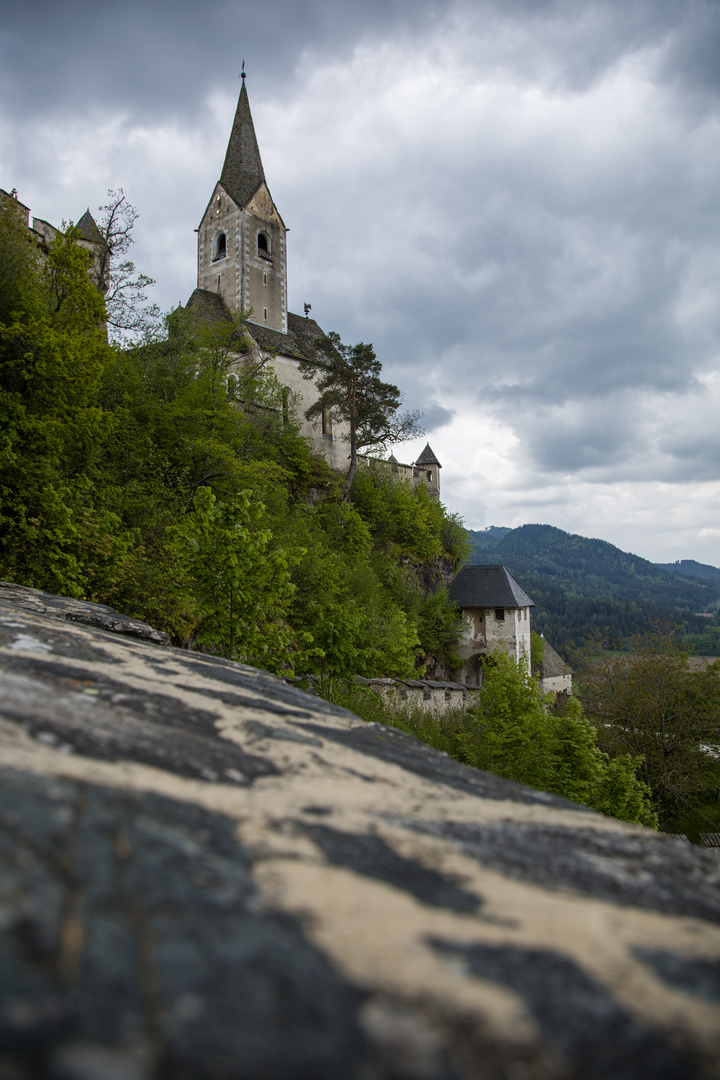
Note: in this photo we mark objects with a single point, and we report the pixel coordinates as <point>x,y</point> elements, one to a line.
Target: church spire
<point>242,172</point>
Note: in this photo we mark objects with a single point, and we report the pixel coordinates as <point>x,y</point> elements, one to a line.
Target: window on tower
<point>263,245</point>
<point>219,247</point>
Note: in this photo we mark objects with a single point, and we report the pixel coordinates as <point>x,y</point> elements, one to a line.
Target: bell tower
<point>241,238</point>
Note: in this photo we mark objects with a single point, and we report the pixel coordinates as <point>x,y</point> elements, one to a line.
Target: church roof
<point>208,306</point>
<point>487,587</point>
<point>428,458</point>
<point>242,173</point>
<point>299,342</point>
<point>88,229</point>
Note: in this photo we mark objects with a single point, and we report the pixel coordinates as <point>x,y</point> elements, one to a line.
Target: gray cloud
<point>515,200</point>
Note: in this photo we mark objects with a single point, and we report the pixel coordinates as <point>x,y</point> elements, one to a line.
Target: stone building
<point>242,266</point>
<point>43,233</point>
<point>496,614</point>
<point>426,470</point>
<point>554,674</point>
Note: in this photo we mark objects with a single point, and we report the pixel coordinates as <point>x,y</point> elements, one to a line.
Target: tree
<point>54,533</point>
<point>518,737</point>
<point>243,584</point>
<point>18,264</point>
<point>650,702</point>
<point>350,389</point>
<point>217,396</point>
<point>125,290</point>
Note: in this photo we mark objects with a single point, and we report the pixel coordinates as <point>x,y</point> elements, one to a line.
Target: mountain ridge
<point>583,585</point>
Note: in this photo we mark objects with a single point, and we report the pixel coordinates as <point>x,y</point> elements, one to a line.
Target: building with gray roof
<point>496,615</point>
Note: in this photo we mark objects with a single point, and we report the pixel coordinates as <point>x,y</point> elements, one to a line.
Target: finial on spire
<point>242,72</point>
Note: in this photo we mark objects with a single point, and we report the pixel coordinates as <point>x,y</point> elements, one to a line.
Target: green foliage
<point>537,652</point>
<point>510,731</point>
<point>242,583</point>
<point>553,751</point>
<point>651,703</point>
<point>439,627</point>
<point>405,520</point>
<point>18,267</point>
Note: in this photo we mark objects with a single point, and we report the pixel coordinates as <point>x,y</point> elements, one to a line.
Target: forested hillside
<point>582,585</point>
<point>689,568</point>
<point>172,483</point>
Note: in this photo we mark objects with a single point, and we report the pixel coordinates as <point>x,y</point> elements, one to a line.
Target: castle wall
<point>413,474</point>
<point>331,444</point>
<point>483,633</point>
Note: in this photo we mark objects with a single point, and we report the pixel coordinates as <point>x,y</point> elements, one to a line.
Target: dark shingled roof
<point>88,228</point>
<point>428,458</point>
<point>487,587</point>
<point>299,342</point>
<point>242,173</point>
<point>208,306</point>
<point>552,664</point>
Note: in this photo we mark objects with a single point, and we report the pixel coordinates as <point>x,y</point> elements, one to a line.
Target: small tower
<point>241,238</point>
<point>496,615</point>
<point>427,470</point>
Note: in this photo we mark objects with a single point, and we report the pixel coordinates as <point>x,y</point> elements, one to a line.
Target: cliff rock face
<point>205,873</point>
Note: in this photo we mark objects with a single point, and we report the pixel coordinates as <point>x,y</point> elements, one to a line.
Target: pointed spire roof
<point>242,173</point>
<point>428,458</point>
<point>88,228</point>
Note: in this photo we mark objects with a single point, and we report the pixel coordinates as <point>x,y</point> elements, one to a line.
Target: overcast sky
<point>516,201</point>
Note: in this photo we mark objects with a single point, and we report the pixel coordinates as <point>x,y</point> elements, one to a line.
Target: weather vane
<point>242,71</point>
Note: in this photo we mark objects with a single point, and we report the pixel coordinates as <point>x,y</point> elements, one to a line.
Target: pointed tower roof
<point>487,587</point>
<point>242,173</point>
<point>428,458</point>
<point>88,228</point>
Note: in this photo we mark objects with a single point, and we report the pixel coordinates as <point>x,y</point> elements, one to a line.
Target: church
<point>242,266</point>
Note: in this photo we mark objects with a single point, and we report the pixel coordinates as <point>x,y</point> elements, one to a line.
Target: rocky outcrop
<point>206,873</point>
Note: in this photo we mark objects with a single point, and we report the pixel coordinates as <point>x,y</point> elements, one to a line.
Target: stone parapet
<point>209,874</point>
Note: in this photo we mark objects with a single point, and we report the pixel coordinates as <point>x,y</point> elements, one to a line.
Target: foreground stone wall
<point>205,873</point>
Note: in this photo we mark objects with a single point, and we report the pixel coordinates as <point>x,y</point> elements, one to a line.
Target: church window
<point>500,614</point>
<point>326,423</point>
<point>264,279</point>
<point>286,404</point>
<point>265,314</point>
<point>219,247</point>
<point>429,475</point>
<point>263,245</point>
<point>218,284</point>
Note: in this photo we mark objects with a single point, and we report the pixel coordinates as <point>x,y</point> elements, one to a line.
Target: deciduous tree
<point>520,738</point>
<point>651,702</point>
<point>125,289</point>
<point>243,583</point>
